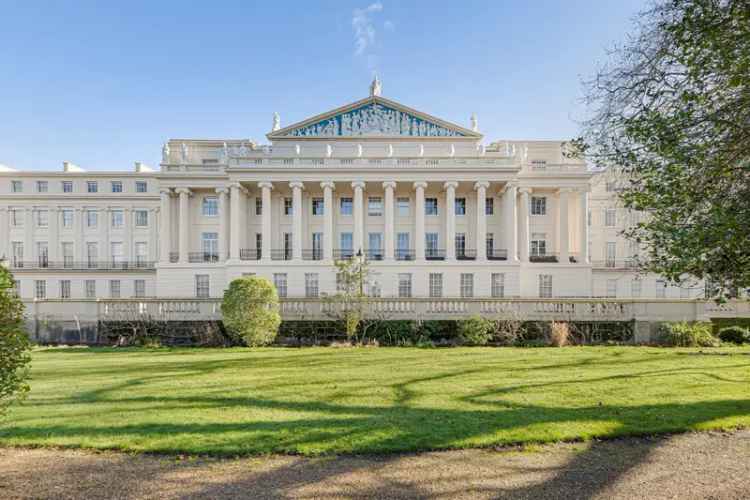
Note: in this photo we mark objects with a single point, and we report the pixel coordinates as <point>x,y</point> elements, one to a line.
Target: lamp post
<point>360,255</point>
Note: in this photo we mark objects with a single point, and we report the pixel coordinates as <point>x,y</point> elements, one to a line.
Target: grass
<point>325,400</point>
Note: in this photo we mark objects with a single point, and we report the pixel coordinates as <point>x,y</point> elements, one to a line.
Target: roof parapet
<point>141,167</point>
<point>71,167</point>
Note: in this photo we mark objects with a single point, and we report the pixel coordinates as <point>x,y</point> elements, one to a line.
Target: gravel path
<point>697,465</point>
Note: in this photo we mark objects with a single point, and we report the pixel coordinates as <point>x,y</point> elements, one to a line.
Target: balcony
<point>466,254</point>
<point>548,257</point>
<point>497,254</point>
<point>343,253</point>
<point>404,254</point>
<point>203,257</point>
<point>312,254</point>
<point>174,257</point>
<point>434,254</point>
<point>69,265</point>
<point>375,254</point>
<point>281,254</point>
<point>250,254</point>
<point>615,264</point>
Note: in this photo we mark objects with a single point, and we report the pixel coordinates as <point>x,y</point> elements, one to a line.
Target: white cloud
<point>364,30</point>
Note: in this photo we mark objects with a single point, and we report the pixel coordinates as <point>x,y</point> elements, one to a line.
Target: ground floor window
<point>545,286</point>
<point>279,281</point>
<point>467,285</point>
<point>40,289</point>
<point>90,286</point>
<point>498,285</point>
<point>139,289</point>
<point>404,285</point>
<point>202,289</point>
<point>611,289</point>
<point>436,285</point>
<point>312,288</point>
<point>114,289</point>
<point>64,289</point>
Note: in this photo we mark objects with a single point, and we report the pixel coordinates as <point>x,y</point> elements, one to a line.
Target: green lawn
<point>328,400</point>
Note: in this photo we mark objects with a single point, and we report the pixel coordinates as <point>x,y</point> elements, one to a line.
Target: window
<point>311,285</point>
<point>403,207</point>
<point>40,289</point>
<point>92,187</point>
<point>67,217</point>
<point>141,252</point>
<point>611,289</point>
<point>64,289</point>
<point>117,186</point>
<point>346,206</point>
<point>635,288</point>
<point>90,286</point>
<point>402,246</point>
<point>404,285</point>
<point>431,244</point>
<point>661,289</point>
<point>17,254</point>
<point>141,187</point>
<point>489,206</point>
<point>318,206</point>
<point>374,206</point>
<point>460,206</point>
<point>42,186</point>
<point>258,205</point>
<point>347,243</point>
<point>16,217</point>
<point>67,253</point>
<point>202,289</point>
<point>430,206</point>
<point>317,246</point>
<point>210,246</point>
<point>92,254</point>
<point>498,285</point>
<point>287,246</point>
<point>610,217</point>
<point>92,217</point>
<point>258,244</point>
<point>375,245</point>
<point>210,206</point>
<point>490,244</point>
<point>139,289</point>
<point>460,240</point>
<point>467,285</point>
<point>141,218</point>
<point>545,286</point>
<point>116,252</point>
<point>67,186</point>
<point>288,206</point>
<point>117,217</point>
<point>16,186</point>
<point>436,285</point>
<point>538,244</point>
<point>610,258</point>
<point>279,281</point>
<point>42,253</point>
<point>538,205</point>
<point>42,218</point>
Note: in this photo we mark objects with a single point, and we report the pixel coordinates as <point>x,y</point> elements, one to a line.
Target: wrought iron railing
<point>250,254</point>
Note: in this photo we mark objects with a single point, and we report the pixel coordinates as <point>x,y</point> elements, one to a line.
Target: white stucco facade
<point>439,212</point>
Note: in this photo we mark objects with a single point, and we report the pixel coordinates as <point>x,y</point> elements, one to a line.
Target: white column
<point>564,229</point>
<point>184,226</point>
<point>105,221</point>
<point>29,252</point>
<point>450,219</point>
<point>510,214</point>
<point>235,228</point>
<point>328,209</point>
<point>127,243</point>
<point>165,226</point>
<point>359,216</point>
<point>419,187</point>
<point>265,251</point>
<point>523,230</point>
<point>481,188</point>
<point>223,233</point>
<point>153,231</point>
<point>54,238</point>
<point>5,250</point>
<point>390,187</point>
<point>584,225</point>
<point>296,219</point>
<point>80,250</point>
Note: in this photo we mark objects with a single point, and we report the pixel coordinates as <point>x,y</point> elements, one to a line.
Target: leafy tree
<point>14,344</point>
<point>671,113</point>
<point>348,305</point>
<point>251,310</point>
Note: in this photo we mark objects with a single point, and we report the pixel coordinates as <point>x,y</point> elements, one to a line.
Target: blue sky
<point>103,84</point>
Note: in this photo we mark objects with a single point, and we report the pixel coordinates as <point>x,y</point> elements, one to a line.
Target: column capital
<point>265,184</point>
<point>166,191</point>
<point>525,190</point>
<point>420,184</point>
<point>238,186</point>
<point>450,185</point>
<point>481,184</point>
<point>222,190</point>
<point>328,184</point>
<point>297,184</point>
<point>183,190</point>
<point>389,184</point>
<point>566,190</point>
<point>358,184</point>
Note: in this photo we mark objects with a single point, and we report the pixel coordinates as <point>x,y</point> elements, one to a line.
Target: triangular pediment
<point>375,117</point>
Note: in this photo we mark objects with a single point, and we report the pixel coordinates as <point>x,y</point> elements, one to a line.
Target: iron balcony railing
<point>312,254</point>
<point>497,254</point>
<point>250,254</point>
<point>466,254</point>
<point>434,254</point>
<point>195,257</point>
<point>281,254</point>
<point>343,253</point>
<point>174,257</point>
<point>404,254</point>
<point>105,265</point>
<point>615,263</point>
<point>375,254</point>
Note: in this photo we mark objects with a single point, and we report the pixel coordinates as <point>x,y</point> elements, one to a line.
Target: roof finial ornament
<point>276,122</point>
<point>474,123</point>
<point>376,87</point>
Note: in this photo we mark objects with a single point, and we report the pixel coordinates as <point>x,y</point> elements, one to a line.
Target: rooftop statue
<point>474,123</point>
<point>376,87</point>
<point>276,122</point>
<point>165,153</point>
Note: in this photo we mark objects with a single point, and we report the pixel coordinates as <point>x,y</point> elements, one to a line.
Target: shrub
<point>559,334</point>
<point>685,334</point>
<point>14,344</point>
<point>735,335</point>
<point>251,310</point>
<point>475,330</point>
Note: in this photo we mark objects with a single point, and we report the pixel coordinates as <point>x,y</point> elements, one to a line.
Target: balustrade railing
<point>281,254</point>
<point>615,263</point>
<point>312,254</point>
<point>68,265</point>
<point>250,254</point>
<point>197,257</point>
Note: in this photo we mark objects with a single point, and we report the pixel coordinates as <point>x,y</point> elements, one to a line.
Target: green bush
<point>14,344</point>
<point>685,334</point>
<point>475,330</point>
<point>251,310</point>
<point>735,335</point>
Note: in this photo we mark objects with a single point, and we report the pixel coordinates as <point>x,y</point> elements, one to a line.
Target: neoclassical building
<point>438,212</point>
